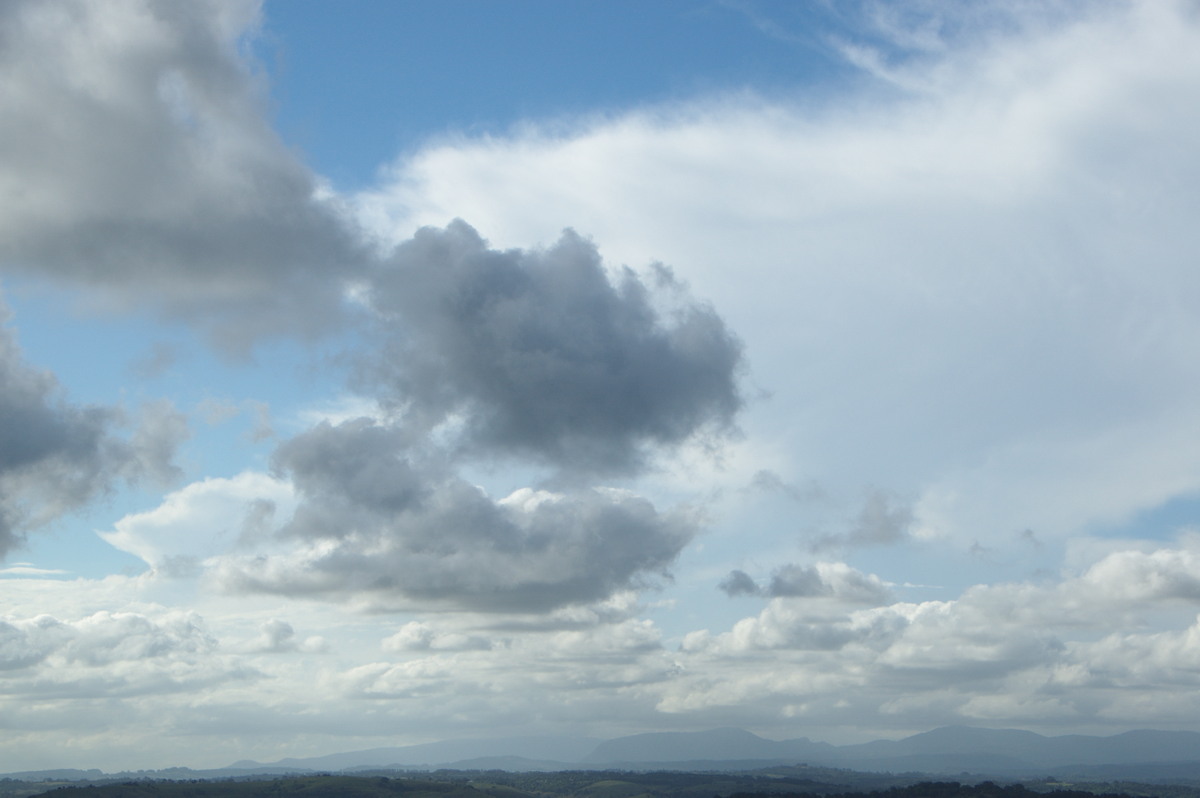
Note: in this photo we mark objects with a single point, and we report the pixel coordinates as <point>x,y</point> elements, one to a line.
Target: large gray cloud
<point>377,523</point>
<point>541,353</point>
<point>137,164</point>
<point>56,456</point>
<point>136,160</point>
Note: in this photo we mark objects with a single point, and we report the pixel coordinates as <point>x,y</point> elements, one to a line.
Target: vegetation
<point>583,784</point>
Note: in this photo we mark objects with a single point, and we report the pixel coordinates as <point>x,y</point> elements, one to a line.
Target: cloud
<point>881,521</point>
<point>988,351</point>
<point>824,580</point>
<point>137,161</point>
<point>420,636</point>
<point>1089,648</point>
<point>768,481</point>
<point>109,654</point>
<point>203,520</point>
<point>356,515</point>
<point>56,457</point>
<point>968,287</point>
<point>155,362</point>
<point>278,637</point>
<point>376,523</point>
<point>545,354</point>
<point>739,583</point>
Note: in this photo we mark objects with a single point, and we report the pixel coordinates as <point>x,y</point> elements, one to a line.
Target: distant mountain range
<point>1146,756</point>
<point>950,750</point>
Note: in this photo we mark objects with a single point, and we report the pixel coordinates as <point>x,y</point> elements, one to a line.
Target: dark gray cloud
<point>540,353</point>
<point>374,523</point>
<point>55,457</point>
<point>798,581</point>
<point>739,583</point>
<point>137,164</point>
<point>136,160</point>
<point>823,580</point>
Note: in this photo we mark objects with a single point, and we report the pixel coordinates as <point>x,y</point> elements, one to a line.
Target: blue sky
<point>358,87</point>
<point>377,373</point>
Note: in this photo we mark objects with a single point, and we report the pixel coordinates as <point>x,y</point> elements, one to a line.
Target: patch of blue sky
<point>359,84</point>
<point>1164,522</point>
<point>125,361</point>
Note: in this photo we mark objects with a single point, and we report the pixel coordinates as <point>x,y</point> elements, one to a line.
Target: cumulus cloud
<point>739,583</point>
<point>545,354</point>
<point>824,580</point>
<point>356,515</point>
<point>1078,650</point>
<point>109,654</point>
<point>277,636</point>
<point>376,523</point>
<point>136,160</point>
<point>1009,179</point>
<point>420,636</point>
<point>204,520</point>
<point>56,457</point>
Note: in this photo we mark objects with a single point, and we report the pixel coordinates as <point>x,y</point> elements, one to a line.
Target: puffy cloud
<point>420,636</point>
<point>56,457</point>
<point>1144,577</point>
<point>544,354</point>
<point>1029,208</point>
<point>1093,648</point>
<point>136,160</point>
<point>375,524</point>
<point>826,580</point>
<point>739,583</point>
<point>278,637</point>
<point>203,520</point>
<point>356,515</point>
<point>832,580</point>
<point>109,654</point>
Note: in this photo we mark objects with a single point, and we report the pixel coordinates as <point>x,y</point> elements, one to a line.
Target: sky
<point>383,372</point>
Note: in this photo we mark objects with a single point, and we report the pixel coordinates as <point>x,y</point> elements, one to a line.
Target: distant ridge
<point>442,754</point>
<point>950,750</point>
<point>715,744</point>
<point>1142,755</point>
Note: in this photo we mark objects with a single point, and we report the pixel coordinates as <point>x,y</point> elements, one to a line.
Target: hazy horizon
<point>392,371</point>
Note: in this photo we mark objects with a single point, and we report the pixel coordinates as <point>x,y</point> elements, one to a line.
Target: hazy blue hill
<point>1145,745</point>
<point>716,744</point>
<point>551,749</point>
<point>954,749</point>
<point>946,750</point>
<point>950,740</point>
<point>60,774</point>
<point>505,763</point>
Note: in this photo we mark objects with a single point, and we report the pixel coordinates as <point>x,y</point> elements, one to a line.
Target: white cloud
<point>206,519</point>
<point>967,294</point>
